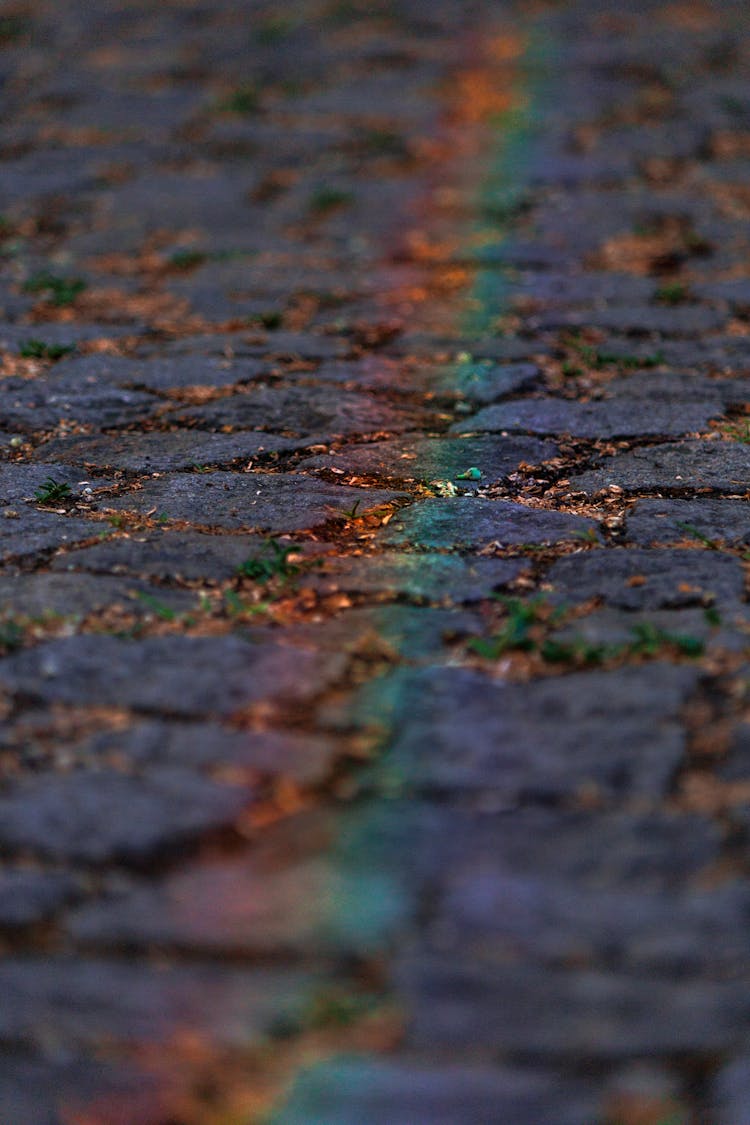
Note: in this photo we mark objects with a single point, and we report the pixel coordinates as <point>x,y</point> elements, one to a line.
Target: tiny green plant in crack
<point>673,294</point>
<point>327,199</point>
<point>696,533</point>
<point>648,639</point>
<point>518,634</point>
<point>11,635</point>
<point>57,290</point>
<point>528,623</point>
<point>273,30</point>
<point>273,562</point>
<point>244,100</point>
<point>12,28</point>
<point>52,491</point>
<point>270,319</point>
<point>157,607</point>
<point>186,260</point>
<point>37,349</point>
<point>590,535</point>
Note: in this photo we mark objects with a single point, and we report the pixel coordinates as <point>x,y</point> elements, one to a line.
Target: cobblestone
<point>690,466</point>
<point>275,502</point>
<point>592,420</point>
<point>546,741</point>
<point>424,459</point>
<point>466,522</point>
<point>639,579</point>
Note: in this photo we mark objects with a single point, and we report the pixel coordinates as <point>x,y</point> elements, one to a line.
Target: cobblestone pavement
<point>375,455</point>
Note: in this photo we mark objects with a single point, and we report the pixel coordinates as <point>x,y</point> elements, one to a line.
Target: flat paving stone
<point>494,913</point>
<point>159,374</point>
<point>211,747</point>
<point>605,419</point>
<point>275,502</point>
<point>164,555</point>
<point>303,411</point>
<point>639,579</point>
<point>485,382</point>
<point>160,452</point>
<point>72,596</point>
<point>20,481</point>
<point>226,673</point>
<point>35,1089</point>
<point>101,816</point>
<point>423,577</point>
<point>466,522</point>
<point>719,466</point>
<point>729,1097</point>
<point>648,850</point>
<point>370,1091</point>
<point>639,320</point>
<point>428,459</point>
<point>29,408</point>
<point>546,740</point>
<point>28,896</point>
<point>649,386</point>
<point>671,521</point>
<point>604,1016</point>
<point>75,1002</point>
<point>28,532</point>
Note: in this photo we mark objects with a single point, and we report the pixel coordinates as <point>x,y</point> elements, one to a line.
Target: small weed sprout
<point>57,290</point>
<point>327,199</point>
<point>274,563</point>
<point>528,621</point>
<point>186,259</point>
<point>695,533</point>
<point>52,491</point>
<point>162,611</point>
<point>11,635</point>
<point>516,635</point>
<point>244,100</point>
<point>37,349</point>
<point>674,294</point>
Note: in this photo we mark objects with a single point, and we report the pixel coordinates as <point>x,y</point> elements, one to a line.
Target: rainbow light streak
<point>378,842</point>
